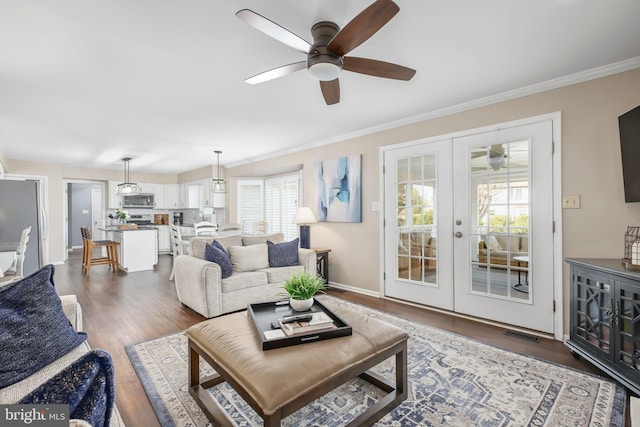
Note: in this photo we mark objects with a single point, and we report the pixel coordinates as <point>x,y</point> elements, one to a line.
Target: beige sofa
<point>14,392</point>
<point>496,249</point>
<point>200,286</point>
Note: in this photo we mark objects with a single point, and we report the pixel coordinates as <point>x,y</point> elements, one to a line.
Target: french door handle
<point>458,234</point>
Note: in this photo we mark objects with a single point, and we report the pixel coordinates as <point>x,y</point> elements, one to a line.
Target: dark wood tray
<point>263,314</point>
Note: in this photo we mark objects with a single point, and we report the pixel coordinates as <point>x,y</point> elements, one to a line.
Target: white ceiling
<point>87,82</point>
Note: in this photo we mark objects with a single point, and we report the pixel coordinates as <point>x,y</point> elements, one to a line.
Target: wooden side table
<point>322,263</point>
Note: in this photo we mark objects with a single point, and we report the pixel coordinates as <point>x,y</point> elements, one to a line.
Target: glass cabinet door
<point>593,311</point>
<point>628,329</point>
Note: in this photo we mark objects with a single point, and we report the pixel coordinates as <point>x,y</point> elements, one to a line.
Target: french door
<point>469,225</point>
<point>418,210</point>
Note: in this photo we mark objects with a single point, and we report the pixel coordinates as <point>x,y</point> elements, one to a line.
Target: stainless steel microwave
<point>142,200</point>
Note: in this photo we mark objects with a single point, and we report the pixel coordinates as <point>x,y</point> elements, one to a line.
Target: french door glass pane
<point>500,231</point>
<point>416,222</point>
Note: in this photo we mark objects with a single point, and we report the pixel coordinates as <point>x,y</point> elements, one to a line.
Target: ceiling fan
<point>497,156</point>
<point>326,56</point>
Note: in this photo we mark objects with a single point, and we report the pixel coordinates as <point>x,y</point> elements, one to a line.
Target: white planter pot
<point>301,304</point>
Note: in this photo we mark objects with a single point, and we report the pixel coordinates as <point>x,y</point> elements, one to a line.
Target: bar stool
<point>88,245</point>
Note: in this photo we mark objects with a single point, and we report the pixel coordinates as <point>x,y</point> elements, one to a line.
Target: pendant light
<point>218,184</point>
<point>127,188</point>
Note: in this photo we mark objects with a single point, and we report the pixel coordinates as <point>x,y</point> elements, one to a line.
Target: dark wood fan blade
<point>377,68</point>
<point>363,26</point>
<point>330,91</point>
<point>273,30</point>
<point>277,72</point>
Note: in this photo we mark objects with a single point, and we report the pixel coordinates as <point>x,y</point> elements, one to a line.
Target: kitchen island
<point>138,248</point>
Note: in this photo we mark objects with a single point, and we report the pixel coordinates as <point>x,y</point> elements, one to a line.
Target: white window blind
<point>274,200</point>
<point>250,200</point>
<point>281,195</point>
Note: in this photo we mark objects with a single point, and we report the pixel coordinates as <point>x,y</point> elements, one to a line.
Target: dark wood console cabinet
<point>605,317</point>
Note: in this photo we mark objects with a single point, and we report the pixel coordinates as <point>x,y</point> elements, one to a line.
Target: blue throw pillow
<point>283,254</point>
<point>219,246</point>
<point>214,254</point>
<point>34,330</point>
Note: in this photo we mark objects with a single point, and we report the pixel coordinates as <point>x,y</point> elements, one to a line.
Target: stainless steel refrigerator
<point>19,209</point>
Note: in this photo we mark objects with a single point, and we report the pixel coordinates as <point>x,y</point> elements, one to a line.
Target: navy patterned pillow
<point>215,254</point>
<point>283,254</point>
<point>34,330</point>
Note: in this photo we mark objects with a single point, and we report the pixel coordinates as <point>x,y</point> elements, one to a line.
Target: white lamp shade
<point>325,71</point>
<point>304,215</point>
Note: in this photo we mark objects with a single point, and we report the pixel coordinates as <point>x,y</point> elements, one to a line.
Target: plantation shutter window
<point>274,200</point>
<point>250,200</point>
<point>281,195</point>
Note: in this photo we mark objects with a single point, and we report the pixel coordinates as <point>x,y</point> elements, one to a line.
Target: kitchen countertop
<point>140,228</point>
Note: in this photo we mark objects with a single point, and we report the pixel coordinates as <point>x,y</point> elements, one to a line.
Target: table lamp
<point>304,217</point>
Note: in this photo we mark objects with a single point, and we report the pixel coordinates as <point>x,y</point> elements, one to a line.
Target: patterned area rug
<point>453,381</point>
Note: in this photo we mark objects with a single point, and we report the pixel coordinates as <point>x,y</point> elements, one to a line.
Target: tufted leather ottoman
<point>278,382</point>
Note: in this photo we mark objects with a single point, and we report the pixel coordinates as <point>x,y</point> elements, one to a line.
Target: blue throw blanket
<point>87,386</point>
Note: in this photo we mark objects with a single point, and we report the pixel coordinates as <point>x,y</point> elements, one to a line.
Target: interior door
<point>503,213</point>
<point>97,214</point>
<point>418,201</point>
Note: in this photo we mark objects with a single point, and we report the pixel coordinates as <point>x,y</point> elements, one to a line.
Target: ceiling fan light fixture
<point>127,188</point>
<point>496,162</point>
<point>325,67</point>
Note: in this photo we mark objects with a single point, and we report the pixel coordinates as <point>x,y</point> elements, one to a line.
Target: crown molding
<point>580,77</point>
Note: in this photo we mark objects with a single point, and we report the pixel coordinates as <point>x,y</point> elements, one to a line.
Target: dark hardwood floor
<point>121,309</point>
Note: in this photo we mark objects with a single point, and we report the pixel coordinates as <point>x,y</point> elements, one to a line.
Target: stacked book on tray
<point>319,321</point>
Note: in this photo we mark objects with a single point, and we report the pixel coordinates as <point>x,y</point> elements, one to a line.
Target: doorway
<point>84,206</point>
<point>470,224</point>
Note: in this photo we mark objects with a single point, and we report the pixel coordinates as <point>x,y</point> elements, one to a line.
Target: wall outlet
<point>375,206</point>
<point>571,202</point>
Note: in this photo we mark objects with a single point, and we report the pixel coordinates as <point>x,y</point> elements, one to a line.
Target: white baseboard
<point>451,313</point>
<point>354,289</point>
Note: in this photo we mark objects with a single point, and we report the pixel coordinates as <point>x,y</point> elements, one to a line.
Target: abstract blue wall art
<point>339,189</point>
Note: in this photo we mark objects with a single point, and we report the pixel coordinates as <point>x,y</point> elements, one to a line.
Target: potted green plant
<point>122,215</point>
<point>301,287</point>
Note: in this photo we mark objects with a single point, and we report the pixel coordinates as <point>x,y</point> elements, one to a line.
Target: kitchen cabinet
<point>138,249</point>
<point>164,239</point>
<point>159,197</point>
<point>150,188</point>
<point>171,199</point>
<point>605,318</point>
<point>206,194</point>
<point>113,200</point>
<point>183,196</point>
